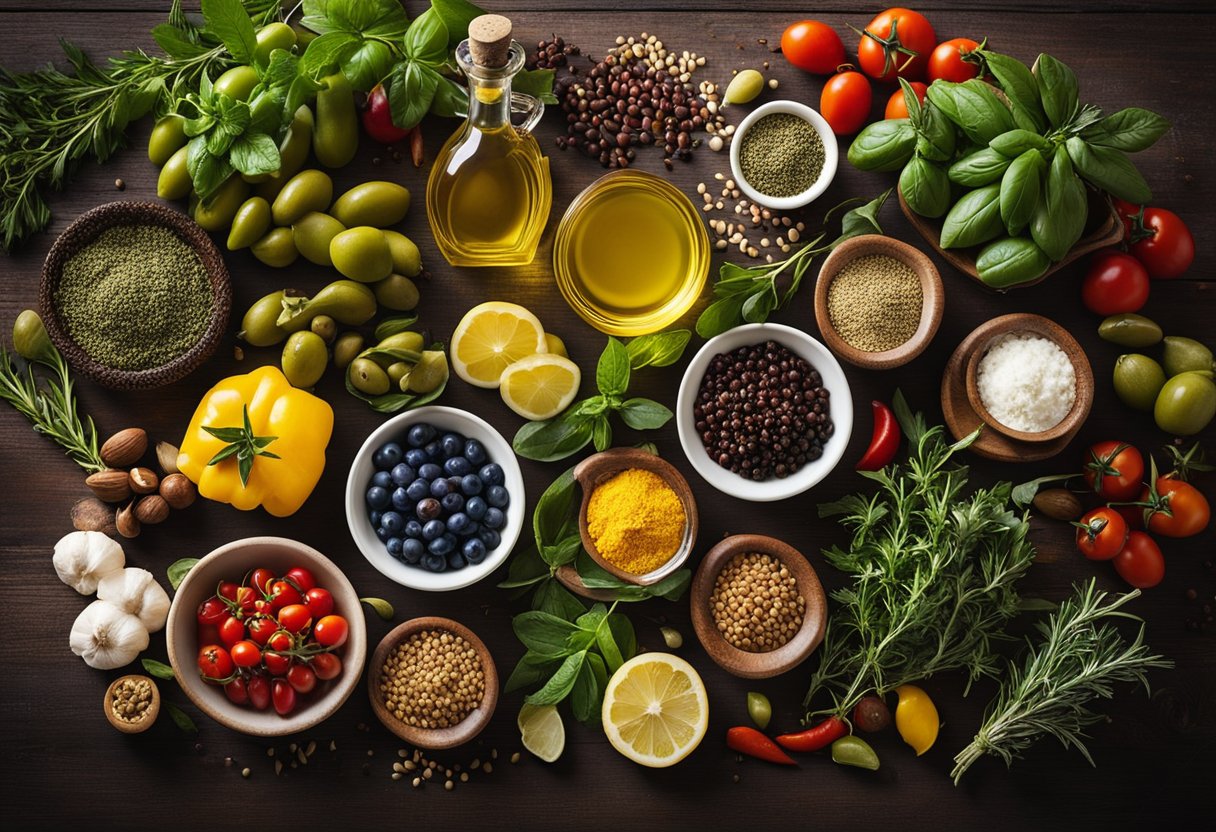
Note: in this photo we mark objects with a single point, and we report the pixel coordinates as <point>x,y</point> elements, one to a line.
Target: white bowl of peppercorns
<point>764,412</point>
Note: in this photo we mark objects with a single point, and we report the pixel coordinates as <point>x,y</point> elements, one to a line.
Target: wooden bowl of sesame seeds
<point>399,676</point>
<point>721,625</point>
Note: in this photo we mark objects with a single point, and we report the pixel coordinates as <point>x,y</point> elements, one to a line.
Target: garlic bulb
<point>83,558</point>
<point>106,637</point>
<point>135,591</point>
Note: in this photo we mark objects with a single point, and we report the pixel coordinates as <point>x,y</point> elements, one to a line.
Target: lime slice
<point>542,731</point>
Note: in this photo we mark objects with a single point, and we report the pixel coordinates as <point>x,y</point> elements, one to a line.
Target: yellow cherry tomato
<point>916,718</point>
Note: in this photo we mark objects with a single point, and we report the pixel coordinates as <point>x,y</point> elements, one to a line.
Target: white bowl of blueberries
<point>435,499</point>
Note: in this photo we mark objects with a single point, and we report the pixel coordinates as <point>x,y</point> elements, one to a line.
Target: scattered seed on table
<point>245,772</point>
<point>515,758</point>
<point>396,775</point>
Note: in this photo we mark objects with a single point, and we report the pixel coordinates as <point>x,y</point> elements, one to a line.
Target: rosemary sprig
<point>1078,658</point>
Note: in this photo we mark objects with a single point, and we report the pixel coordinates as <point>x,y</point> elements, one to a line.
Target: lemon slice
<point>540,386</point>
<point>556,345</point>
<point>656,710</point>
<point>491,337</point>
<point>542,731</point>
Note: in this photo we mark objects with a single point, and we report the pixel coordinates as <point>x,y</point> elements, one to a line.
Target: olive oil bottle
<point>489,191</point>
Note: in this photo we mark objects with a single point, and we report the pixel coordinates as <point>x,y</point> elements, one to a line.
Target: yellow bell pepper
<point>256,440</point>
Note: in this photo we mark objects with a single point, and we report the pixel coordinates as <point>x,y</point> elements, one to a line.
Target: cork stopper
<point>490,40</point>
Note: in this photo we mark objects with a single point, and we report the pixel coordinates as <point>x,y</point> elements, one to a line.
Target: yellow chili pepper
<point>916,718</point>
<point>256,440</point>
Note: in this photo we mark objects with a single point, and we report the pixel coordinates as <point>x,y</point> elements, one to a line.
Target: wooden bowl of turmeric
<point>638,520</point>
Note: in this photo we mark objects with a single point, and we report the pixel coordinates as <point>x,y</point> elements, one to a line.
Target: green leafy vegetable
<point>658,349</point>
<point>178,570</point>
<point>158,669</point>
<point>241,443</point>
<point>181,719</point>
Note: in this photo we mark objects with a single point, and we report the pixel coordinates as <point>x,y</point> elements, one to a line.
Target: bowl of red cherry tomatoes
<point>266,636</point>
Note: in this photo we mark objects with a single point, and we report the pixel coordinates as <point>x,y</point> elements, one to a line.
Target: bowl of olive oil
<point>631,254</point>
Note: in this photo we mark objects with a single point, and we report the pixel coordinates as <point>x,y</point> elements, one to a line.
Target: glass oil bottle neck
<point>489,87</point>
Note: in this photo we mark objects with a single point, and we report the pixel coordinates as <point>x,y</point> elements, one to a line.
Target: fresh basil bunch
<point>1022,152</point>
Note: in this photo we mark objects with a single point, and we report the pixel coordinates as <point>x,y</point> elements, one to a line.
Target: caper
<point>429,373</point>
<point>362,254</point>
<point>1138,380</point>
<point>346,348</point>
<point>308,190</point>
<point>276,249</point>
<point>250,224</point>
<point>258,327</point>
<point>744,87</point>
<point>1130,330</point>
<point>304,358</point>
<point>407,260</point>
<point>397,371</point>
<point>397,292</point>
<point>324,326</point>
<point>378,204</point>
<point>1182,355</point>
<point>368,377</point>
<point>313,233</point>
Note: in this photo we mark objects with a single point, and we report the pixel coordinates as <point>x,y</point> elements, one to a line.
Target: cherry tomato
<point>232,630</point>
<point>812,46</point>
<point>283,696</point>
<point>214,662</point>
<point>947,62</point>
<point>1140,563</point>
<point>259,691</point>
<point>282,594</point>
<point>301,577</point>
<point>320,602</point>
<point>1158,238</point>
<point>246,599</point>
<point>262,628</point>
<point>212,611</point>
<point>301,678</point>
<point>897,107</point>
<point>263,607</point>
<point>327,666</point>
<point>1177,508</point>
<point>1132,515</point>
<point>1114,470</point>
<point>845,102</point>
<point>281,640</point>
<point>1101,534</point>
<point>237,691</point>
<point>246,654</point>
<point>331,631</point>
<point>897,42</point>
<point>294,618</point>
<point>208,634</point>
<point>378,119</point>
<point>1115,282</point>
<point>227,590</point>
<point>276,664</point>
<point>260,579</point>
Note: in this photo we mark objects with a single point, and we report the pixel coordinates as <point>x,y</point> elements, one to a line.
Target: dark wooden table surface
<point>62,764</point>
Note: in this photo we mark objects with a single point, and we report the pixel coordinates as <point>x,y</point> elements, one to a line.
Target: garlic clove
<point>135,591</point>
<point>82,559</point>
<point>106,637</point>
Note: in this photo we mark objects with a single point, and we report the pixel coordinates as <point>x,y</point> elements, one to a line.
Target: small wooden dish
<point>433,738</point>
<point>741,662</point>
<point>1102,228</point>
<point>150,715</point>
<point>569,577</point>
<point>595,469</point>
<point>932,300</point>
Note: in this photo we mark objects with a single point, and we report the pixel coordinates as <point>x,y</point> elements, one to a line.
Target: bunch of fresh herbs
<point>587,420</point>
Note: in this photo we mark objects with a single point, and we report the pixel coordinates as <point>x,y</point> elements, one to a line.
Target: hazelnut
<point>110,486</point>
<point>178,491</point>
<point>143,480</point>
<point>125,521</point>
<point>124,448</point>
<point>151,509</point>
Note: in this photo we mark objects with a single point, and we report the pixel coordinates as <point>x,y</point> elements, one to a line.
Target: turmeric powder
<point>636,521</point>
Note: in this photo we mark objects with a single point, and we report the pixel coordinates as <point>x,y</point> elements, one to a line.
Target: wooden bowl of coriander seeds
<point>432,682</point>
<point>758,608</point>
<point>878,302</point>
<point>132,703</point>
<point>135,295</point>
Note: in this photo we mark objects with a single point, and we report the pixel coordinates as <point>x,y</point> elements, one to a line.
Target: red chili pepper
<point>885,441</point>
<point>813,739</point>
<point>749,741</point>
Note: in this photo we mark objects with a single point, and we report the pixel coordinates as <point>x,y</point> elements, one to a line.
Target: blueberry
<point>392,521</point>
<point>377,497</point>
<point>474,452</point>
<point>383,533</point>
<point>419,489</point>
<point>402,474</point>
<point>458,522</point>
<point>433,529</point>
<point>456,561</point>
<point>435,563</point>
<point>440,488</point>
<point>440,546</point>
<point>452,444</point>
<point>428,509</point>
<point>472,529</point>
<point>415,457</point>
<point>452,502</point>
<point>434,451</point>
<point>419,435</point>
<point>430,471</point>
<point>387,456</point>
<point>494,518</point>
<point>497,496</point>
<point>382,479</point>
<point>474,550</point>
<point>475,507</point>
<point>457,466</point>
<point>492,474</point>
<point>375,516</point>
<point>490,538</point>
<point>393,544</point>
<point>401,500</point>
<point>412,529</point>
<point>412,550</point>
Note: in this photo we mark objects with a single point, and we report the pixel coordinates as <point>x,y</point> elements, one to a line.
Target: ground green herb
<point>781,155</point>
<point>135,298</point>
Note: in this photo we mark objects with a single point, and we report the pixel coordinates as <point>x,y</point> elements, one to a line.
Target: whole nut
<point>166,456</point>
<point>110,485</point>
<point>125,521</point>
<point>151,510</point>
<point>124,448</point>
<point>90,514</point>
<point>143,480</point>
<point>178,491</point>
<point>1058,504</point>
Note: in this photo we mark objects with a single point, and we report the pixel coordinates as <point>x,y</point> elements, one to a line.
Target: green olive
<point>30,339</point>
<point>402,341</point>
<point>1186,404</point>
<point>237,82</point>
<point>407,260</point>
<point>303,36</point>
<point>378,204</point>
<point>276,249</point>
<point>168,136</point>
<point>368,377</point>
<point>308,190</point>
<point>325,326</point>
<point>429,373</point>
<point>397,371</point>
<point>347,349</point>
<point>1182,355</point>
<point>174,181</point>
<point>218,214</point>
<point>744,87</point>
<point>271,37</point>
<point>1130,330</point>
<point>250,224</point>
<point>313,233</point>
<point>304,358</point>
<point>1138,380</point>
<point>343,300</point>
<point>258,327</point>
<point>293,152</point>
<point>397,292</point>
<point>336,137</point>
<point>362,254</point>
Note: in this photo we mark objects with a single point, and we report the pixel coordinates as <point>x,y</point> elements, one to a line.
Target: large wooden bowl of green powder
<point>135,295</point>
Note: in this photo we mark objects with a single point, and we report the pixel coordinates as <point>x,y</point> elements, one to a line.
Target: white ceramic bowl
<point>231,562</point>
<point>394,430</point>
<point>841,411</point>
<point>831,155</point>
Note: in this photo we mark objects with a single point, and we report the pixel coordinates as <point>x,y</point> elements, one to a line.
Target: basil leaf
<point>607,645</point>
<point>884,145</point>
<point>585,694</point>
<point>324,55</point>
<point>551,440</point>
<point>228,20</point>
<point>207,172</point>
<point>564,551</point>
<point>370,18</point>
<point>673,586</point>
<point>1020,188</point>
<point>623,635</point>
<point>451,99</point>
<point>537,83</point>
<point>158,669</point>
<point>176,43</point>
<point>974,219</point>
<point>181,719</point>
<point>612,371</point>
<point>756,308</point>
<point>531,670</point>
<point>394,325</point>
<point>456,16</point>
<point>542,632</point>
<point>587,409</point>
<point>1059,217</point>
<point>983,167</point>
<point>178,569</point>
<point>936,135</point>
<point>721,315</point>
<point>1011,261</point>
<point>1109,170</point>
<point>861,220</point>
<point>1131,130</point>
<point>644,414</point>
<point>925,187</point>
<point>601,433</point>
<point>426,41</point>
<point>551,517</point>
<point>555,599</point>
<point>1017,141</point>
<point>600,672</point>
<point>410,92</point>
<point>368,64</point>
<point>254,154</point>
<point>560,683</point>
<point>658,349</point>
<point>1019,85</point>
<point>1057,89</point>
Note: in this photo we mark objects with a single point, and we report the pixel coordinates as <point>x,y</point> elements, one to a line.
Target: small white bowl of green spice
<point>783,155</point>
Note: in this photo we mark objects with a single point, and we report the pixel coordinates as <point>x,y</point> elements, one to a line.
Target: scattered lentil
<point>874,303</point>
<point>756,604</point>
<point>131,700</point>
<point>636,521</point>
<point>433,679</point>
<point>782,155</point>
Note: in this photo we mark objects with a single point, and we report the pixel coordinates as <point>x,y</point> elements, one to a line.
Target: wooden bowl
<point>932,300</point>
<point>149,715</point>
<point>86,228</point>
<point>1023,322</point>
<point>1102,228</point>
<point>596,469</point>
<point>741,662</point>
<point>433,738</point>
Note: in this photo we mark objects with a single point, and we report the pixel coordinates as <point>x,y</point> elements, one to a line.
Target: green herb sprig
<point>243,444</point>
<point>586,421</point>
<point>1076,659</point>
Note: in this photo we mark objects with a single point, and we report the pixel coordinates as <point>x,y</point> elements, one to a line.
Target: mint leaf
<point>365,18</point>
<point>228,20</point>
<point>326,53</point>
<point>254,154</point>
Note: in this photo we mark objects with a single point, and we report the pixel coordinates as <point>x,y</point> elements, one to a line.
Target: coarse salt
<point>1027,383</point>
